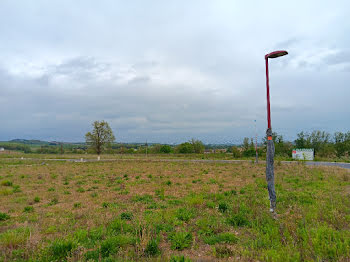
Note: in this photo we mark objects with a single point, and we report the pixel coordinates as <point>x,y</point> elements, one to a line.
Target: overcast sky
<point>167,71</point>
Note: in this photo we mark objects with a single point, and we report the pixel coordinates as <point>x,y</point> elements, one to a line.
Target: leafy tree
<point>185,148</point>
<point>235,152</point>
<point>155,149</point>
<point>302,141</point>
<point>100,137</point>
<point>245,144</point>
<point>318,140</point>
<point>198,146</point>
<point>248,148</point>
<point>282,148</point>
<point>166,149</point>
<point>342,143</point>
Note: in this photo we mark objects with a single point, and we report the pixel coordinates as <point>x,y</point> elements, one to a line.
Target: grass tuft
<point>180,240</point>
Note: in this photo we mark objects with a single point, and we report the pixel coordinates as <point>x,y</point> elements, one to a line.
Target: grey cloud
<point>288,43</point>
<point>167,72</point>
<point>338,58</point>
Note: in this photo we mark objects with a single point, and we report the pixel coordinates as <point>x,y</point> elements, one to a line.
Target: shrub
<point>180,240</point>
<point>235,152</point>
<point>36,199</point>
<point>166,149</point>
<point>51,189</point>
<point>4,216</point>
<point>185,148</point>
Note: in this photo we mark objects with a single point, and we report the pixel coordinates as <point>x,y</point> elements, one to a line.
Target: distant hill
<point>35,142</point>
<point>28,142</point>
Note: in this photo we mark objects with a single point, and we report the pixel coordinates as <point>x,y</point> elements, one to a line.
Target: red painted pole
<point>268,94</point>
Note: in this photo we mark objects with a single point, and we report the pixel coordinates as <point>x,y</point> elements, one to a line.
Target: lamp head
<point>276,54</point>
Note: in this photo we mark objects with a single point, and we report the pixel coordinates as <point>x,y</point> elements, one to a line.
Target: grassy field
<point>171,211</point>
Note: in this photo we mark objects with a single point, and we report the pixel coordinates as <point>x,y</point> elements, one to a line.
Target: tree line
<point>102,140</point>
<point>324,144</point>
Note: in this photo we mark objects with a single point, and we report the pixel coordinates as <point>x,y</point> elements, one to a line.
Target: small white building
<point>303,154</point>
<point>2,149</point>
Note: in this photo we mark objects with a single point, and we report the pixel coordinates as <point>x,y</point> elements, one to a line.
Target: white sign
<point>303,154</point>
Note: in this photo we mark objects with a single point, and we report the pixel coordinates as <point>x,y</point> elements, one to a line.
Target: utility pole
<point>146,148</point>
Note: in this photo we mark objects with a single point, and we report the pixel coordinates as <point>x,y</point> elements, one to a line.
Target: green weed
<point>179,259</point>
<point>126,216</point>
<point>28,209</point>
<point>59,249</point>
<point>152,248</point>
<point>184,214</point>
<point>14,238</point>
<point>180,240</point>
<point>4,216</point>
<point>6,183</point>
<point>36,199</point>
<point>77,205</point>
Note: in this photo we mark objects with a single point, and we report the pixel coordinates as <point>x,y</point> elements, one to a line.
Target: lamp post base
<point>270,176</point>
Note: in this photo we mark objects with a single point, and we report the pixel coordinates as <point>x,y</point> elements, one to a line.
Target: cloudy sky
<point>167,71</point>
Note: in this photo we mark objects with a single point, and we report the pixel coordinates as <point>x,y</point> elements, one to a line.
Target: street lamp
<point>270,178</point>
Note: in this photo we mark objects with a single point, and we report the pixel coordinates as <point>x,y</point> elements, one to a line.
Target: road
<point>309,163</point>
